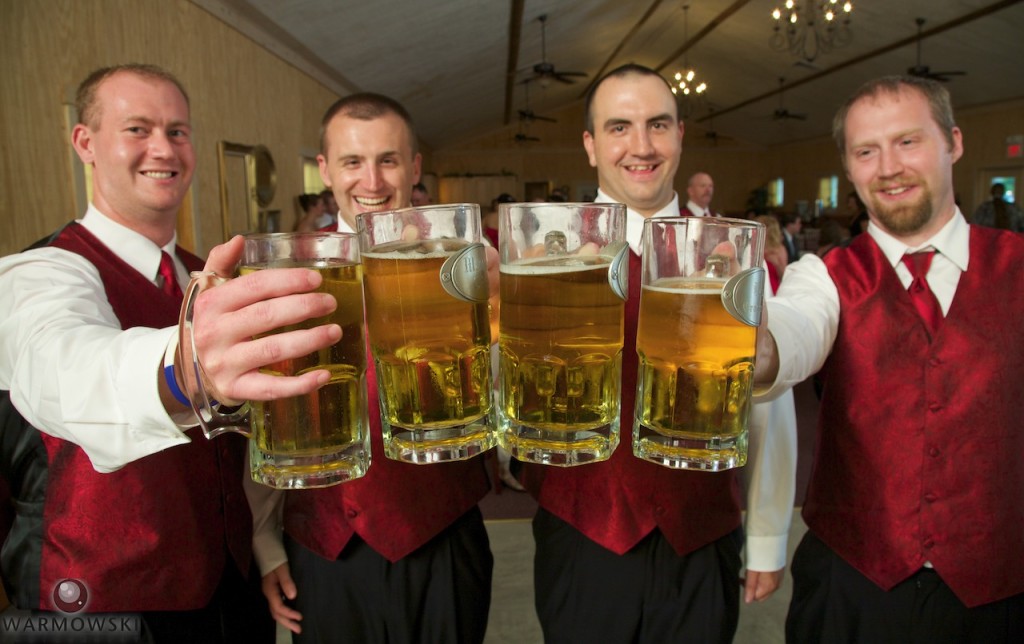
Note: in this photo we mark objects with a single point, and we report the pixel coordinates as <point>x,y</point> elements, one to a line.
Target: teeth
<point>896,191</point>
<point>366,201</point>
<point>640,168</point>
<point>158,175</point>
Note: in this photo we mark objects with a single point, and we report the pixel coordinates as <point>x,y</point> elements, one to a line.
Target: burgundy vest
<point>616,503</point>
<point>395,508</point>
<point>150,536</point>
<point>920,442</point>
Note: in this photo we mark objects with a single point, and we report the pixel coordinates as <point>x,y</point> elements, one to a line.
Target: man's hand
<point>760,585</point>
<point>277,586</point>
<point>228,317</point>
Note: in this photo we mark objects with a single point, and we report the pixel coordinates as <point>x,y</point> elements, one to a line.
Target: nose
<point>889,162</point>
<point>373,179</point>
<point>160,144</point>
<point>640,143</point>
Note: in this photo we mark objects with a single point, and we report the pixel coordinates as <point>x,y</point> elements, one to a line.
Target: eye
<point>618,129</point>
<point>178,133</point>
<point>135,129</point>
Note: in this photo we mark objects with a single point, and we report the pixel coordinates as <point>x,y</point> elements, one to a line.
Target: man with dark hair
<point>122,504</point>
<point>420,195</point>
<point>628,550</point>
<point>913,530</point>
<point>401,554</point>
<point>998,213</point>
<point>791,224</point>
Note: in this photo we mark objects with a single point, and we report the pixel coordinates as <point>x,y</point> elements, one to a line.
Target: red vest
<point>150,536</point>
<point>618,502</point>
<point>395,508</point>
<point>920,443</point>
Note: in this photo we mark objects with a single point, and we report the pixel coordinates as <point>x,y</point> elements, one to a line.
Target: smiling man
<point>401,554</point>
<point>912,533</point>
<point>628,550</point>
<point>114,488</point>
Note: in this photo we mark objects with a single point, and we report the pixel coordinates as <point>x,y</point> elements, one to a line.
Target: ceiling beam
<point>622,43</point>
<point>956,22</point>
<point>515,30</point>
<point>711,26</point>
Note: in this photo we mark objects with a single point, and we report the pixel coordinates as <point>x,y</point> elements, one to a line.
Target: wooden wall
<point>239,93</point>
<point>737,167</point>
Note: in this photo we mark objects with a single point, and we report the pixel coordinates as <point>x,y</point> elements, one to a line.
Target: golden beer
<point>319,438</point>
<point>560,359</point>
<point>432,353</point>
<point>696,365</point>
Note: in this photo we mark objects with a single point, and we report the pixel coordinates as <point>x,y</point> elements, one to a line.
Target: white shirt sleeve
<point>267,507</point>
<point>803,319</point>
<point>770,479</point>
<point>71,370</point>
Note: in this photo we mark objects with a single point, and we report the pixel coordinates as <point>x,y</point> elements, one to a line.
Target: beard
<point>905,218</point>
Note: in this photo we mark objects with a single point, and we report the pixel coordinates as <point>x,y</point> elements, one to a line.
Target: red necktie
<point>170,278</point>
<point>921,295</point>
<point>669,264</point>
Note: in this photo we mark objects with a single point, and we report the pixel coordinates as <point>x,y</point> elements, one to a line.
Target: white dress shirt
<point>697,211</point>
<point>804,318</point>
<point>71,370</point>
<point>770,474</point>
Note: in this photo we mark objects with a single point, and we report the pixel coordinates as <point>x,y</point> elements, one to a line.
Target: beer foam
<point>567,264</point>
<point>689,287</point>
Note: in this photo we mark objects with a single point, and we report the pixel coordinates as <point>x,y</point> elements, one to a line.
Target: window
<point>1010,183</point>
<point>776,190</point>
<point>828,191</point>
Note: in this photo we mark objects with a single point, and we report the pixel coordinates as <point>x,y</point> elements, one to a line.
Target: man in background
<point>699,189</point>
<point>401,554</point>
<point>420,195</point>
<point>999,213</point>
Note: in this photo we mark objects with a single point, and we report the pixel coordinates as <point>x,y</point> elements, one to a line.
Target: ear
<point>682,131</point>
<point>81,140</point>
<point>321,163</point>
<point>417,165</point>
<point>958,145</point>
<point>588,145</point>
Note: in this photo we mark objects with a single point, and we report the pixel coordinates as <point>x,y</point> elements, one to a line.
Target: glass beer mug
<point>321,438</point>
<point>564,274</point>
<point>700,305</point>
<point>426,314</point>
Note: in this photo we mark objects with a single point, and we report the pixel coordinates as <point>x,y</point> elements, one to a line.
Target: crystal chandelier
<point>811,27</point>
<point>685,85</point>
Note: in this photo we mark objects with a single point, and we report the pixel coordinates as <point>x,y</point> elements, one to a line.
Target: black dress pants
<point>586,593</point>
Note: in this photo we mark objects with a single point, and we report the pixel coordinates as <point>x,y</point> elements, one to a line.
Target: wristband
<point>172,382</point>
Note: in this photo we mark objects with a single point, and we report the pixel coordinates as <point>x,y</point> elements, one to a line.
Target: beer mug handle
<point>211,418</point>
<point>743,295</point>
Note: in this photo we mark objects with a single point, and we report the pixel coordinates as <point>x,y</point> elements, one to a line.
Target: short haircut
<point>422,188</point>
<point>787,218</point>
<point>623,70</point>
<point>933,91</point>
<point>366,106</point>
<point>85,98</point>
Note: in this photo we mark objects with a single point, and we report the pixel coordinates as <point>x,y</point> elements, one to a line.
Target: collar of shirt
<point>697,210</point>
<point>635,221</point>
<point>133,248</point>
<point>343,226</point>
<point>952,242</point>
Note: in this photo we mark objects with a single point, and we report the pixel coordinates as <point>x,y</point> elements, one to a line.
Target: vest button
<point>930,498</point>
<point>935,407</point>
<point>351,513</point>
<point>935,362</point>
<point>928,543</point>
<point>934,452</point>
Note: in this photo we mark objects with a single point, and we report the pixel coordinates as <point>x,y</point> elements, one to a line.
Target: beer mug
<point>564,271</point>
<point>699,309</point>
<point>426,314</point>
<point>321,438</point>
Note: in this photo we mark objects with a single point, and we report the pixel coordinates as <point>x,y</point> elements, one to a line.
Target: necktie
<point>170,279</point>
<point>921,295</point>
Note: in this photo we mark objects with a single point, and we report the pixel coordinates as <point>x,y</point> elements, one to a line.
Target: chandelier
<point>686,86</point>
<point>811,27</point>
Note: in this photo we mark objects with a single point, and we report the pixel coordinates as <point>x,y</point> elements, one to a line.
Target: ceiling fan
<point>922,70</point>
<point>545,72</point>
<point>527,115</point>
<point>524,138</point>
<point>781,113</point>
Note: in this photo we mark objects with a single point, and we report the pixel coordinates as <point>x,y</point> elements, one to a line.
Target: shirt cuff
<point>766,554</point>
